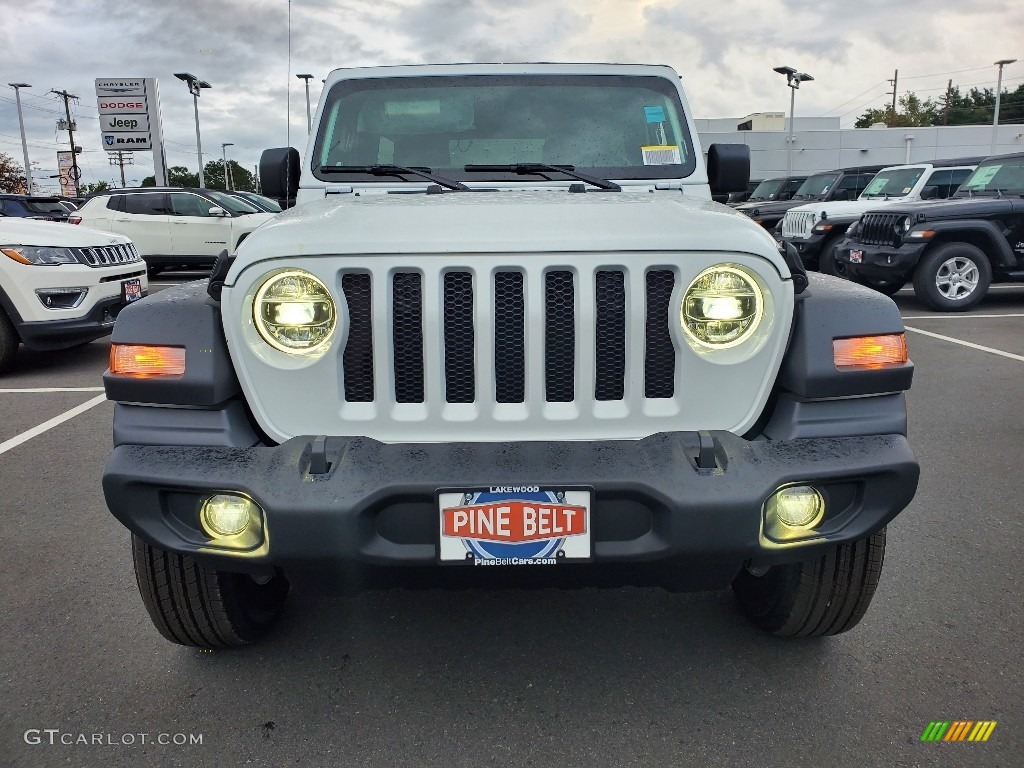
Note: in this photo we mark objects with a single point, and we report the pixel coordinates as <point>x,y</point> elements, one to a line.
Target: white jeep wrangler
<point>506,326</point>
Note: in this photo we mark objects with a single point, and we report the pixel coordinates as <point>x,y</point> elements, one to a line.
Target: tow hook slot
<point>706,458</point>
<point>318,463</point>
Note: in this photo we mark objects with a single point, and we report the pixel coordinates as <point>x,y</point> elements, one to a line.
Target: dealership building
<point>819,144</point>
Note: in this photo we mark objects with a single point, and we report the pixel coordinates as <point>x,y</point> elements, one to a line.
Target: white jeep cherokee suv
<point>61,286</point>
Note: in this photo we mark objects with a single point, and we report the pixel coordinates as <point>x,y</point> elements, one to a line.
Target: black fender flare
<point>1000,253</point>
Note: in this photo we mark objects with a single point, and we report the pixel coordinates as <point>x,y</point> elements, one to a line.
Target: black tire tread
<point>8,341</point>
<point>825,596</point>
<point>190,604</point>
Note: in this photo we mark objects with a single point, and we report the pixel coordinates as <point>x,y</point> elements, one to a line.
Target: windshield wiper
<point>396,170</point>
<point>540,169</point>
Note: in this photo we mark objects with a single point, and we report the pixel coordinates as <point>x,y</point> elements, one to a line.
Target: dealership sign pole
<point>130,119</point>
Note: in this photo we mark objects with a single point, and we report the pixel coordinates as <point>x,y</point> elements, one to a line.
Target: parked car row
<point>174,226</point>
<point>952,250</point>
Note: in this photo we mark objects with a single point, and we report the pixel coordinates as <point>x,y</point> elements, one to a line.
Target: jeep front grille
<point>879,229</point>
<point>106,255</point>
<point>798,223</point>
<point>486,325</point>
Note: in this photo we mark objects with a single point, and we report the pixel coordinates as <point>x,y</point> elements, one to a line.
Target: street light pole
<point>309,117</point>
<point>194,86</point>
<point>224,154</point>
<point>793,80</point>
<point>24,144</point>
<point>999,91</point>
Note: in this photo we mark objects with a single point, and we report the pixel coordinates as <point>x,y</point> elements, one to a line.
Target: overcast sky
<point>724,49</point>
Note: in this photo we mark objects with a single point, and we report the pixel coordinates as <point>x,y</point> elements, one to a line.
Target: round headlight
<point>904,226</point>
<point>294,312</point>
<point>722,307</point>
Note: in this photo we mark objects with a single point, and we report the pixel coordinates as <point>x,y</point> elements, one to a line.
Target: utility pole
<point>24,144</point>
<point>71,134</point>
<point>121,160</point>
<point>895,79</point>
<point>949,102</point>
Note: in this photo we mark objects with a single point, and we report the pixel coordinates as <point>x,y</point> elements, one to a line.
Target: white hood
<point>846,209</point>
<point>547,221</point>
<point>19,231</point>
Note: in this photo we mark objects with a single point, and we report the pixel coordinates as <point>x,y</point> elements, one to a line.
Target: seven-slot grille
<point>879,229</point>
<point>798,223</point>
<point>107,255</point>
<point>468,306</point>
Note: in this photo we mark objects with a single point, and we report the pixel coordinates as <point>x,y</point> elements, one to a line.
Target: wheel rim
<point>957,278</point>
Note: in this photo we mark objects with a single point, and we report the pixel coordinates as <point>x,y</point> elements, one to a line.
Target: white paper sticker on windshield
<point>661,155</point>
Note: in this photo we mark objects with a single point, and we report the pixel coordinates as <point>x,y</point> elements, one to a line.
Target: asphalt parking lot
<point>586,678</point>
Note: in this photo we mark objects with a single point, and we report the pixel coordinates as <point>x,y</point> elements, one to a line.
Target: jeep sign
<point>134,123</point>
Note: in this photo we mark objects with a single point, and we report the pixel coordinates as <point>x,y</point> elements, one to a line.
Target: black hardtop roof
<point>1011,156</point>
<point>34,198</point>
<point>138,190</point>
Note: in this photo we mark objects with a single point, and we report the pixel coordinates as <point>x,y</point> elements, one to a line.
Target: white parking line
<point>24,437</point>
<point>968,344</point>
<point>957,316</point>
<point>47,390</point>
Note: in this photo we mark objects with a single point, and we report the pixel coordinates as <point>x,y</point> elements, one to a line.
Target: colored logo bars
<point>959,730</point>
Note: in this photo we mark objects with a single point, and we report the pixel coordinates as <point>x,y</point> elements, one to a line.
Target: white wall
<point>816,150</point>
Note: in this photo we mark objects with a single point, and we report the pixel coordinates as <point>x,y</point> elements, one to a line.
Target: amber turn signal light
<point>143,360</point>
<point>870,351</point>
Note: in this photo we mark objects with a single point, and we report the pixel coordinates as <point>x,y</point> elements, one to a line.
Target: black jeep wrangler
<point>841,184</point>
<point>953,249</point>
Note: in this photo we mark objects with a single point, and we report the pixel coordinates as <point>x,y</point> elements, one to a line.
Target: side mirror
<point>216,210</point>
<point>929,193</point>
<point>728,168</point>
<point>279,173</point>
<point>841,194</point>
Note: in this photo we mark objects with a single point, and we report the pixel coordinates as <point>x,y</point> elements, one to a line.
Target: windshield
<point>1006,176</point>
<point>893,183</point>
<point>816,187</point>
<point>766,190</point>
<point>613,126</point>
<point>261,202</point>
<point>231,203</point>
<point>45,206</point>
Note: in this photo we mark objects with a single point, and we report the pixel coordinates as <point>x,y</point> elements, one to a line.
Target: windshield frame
<point>891,175</point>
<point>236,205</point>
<point>965,190</point>
<point>778,182</point>
<point>661,85</point>
<point>832,175</point>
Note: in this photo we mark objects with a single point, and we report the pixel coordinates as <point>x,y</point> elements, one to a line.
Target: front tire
<point>814,598</point>
<point>827,263</point>
<point>8,341</point>
<point>953,277</point>
<point>193,605</point>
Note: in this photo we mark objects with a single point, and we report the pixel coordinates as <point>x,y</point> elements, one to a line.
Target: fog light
<point>799,506</point>
<point>226,515</point>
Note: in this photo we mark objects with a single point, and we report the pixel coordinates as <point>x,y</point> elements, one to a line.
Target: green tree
<point>88,189</point>
<point>12,175</point>
<point>912,112</point>
<point>240,178</point>
<point>177,176</point>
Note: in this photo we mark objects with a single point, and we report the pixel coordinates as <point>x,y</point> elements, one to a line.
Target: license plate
<point>856,257</point>
<point>514,525</point>
<point>131,290</point>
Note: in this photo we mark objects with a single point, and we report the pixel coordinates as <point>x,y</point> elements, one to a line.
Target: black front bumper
<point>880,263</point>
<point>372,518</point>
<point>61,334</point>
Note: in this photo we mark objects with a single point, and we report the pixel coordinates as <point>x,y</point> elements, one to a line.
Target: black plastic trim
<point>835,309</point>
<point>183,316</point>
